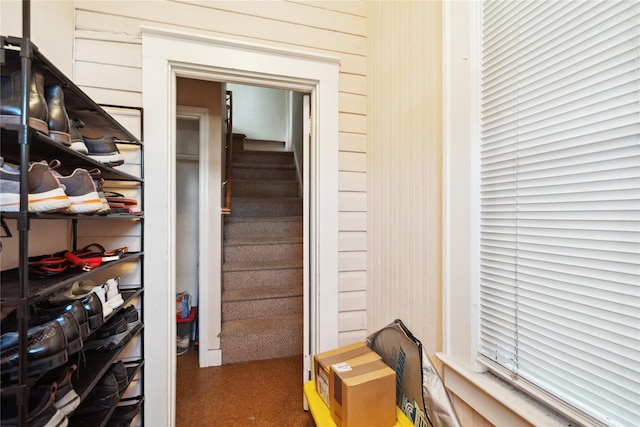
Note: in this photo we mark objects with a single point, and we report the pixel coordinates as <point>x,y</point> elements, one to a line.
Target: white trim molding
<point>488,395</point>
<point>495,400</point>
<point>168,54</point>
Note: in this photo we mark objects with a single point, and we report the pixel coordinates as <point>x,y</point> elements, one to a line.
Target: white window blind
<point>560,202</point>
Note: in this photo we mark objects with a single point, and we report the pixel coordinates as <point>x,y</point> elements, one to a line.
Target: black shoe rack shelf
<point>20,145</point>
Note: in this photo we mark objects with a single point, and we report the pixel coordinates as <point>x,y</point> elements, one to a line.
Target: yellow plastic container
<point>322,417</point>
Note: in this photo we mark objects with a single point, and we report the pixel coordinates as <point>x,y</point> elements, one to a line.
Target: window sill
<point>495,400</point>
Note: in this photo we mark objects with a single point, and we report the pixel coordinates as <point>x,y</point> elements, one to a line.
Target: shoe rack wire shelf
<point>21,144</point>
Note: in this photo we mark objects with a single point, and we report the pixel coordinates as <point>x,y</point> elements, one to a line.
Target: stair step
<point>260,206</point>
<point>261,338</point>
<point>264,188</point>
<point>250,303</point>
<point>268,172</point>
<point>267,265</point>
<point>262,249</point>
<point>258,157</point>
<point>239,279</point>
<point>240,275</point>
<point>236,227</point>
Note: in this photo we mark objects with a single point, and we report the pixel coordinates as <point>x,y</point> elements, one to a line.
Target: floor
<point>252,394</point>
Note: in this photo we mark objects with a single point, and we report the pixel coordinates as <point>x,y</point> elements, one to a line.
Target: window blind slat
<point>560,202</point>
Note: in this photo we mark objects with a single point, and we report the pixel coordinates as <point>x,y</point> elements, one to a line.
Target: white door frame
<point>209,185</point>
<point>168,54</point>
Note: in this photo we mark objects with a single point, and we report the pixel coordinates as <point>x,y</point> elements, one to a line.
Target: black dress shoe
<point>69,325</point>
<point>11,101</point>
<point>93,306</point>
<point>47,349</point>
<point>42,411</point>
<point>58,118</point>
<point>76,308</point>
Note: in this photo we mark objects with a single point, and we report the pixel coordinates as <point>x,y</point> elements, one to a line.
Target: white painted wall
<point>46,16</point>
<point>260,112</point>
<point>403,169</point>
<point>59,50</point>
<point>108,67</point>
<point>187,206</point>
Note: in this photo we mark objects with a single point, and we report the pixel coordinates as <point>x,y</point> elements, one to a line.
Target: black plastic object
<point>420,393</point>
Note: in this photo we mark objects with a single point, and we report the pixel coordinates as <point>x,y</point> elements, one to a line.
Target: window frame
<point>463,375</point>
<point>494,399</point>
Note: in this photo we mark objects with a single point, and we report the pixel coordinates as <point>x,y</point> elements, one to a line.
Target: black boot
<point>58,118</point>
<point>10,103</point>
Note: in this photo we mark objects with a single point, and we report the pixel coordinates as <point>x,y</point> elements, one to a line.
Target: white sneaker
<point>101,292</point>
<point>114,297</point>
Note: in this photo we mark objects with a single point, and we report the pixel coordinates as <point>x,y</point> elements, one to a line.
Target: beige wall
<point>404,168</point>
<point>108,67</point>
<point>404,174</point>
<point>390,135</point>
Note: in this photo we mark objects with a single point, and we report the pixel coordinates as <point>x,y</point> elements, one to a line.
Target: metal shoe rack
<point>22,144</point>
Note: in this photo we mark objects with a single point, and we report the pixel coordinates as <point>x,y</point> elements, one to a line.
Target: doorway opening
<point>168,55</point>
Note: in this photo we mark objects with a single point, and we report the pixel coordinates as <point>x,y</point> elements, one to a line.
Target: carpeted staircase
<point>262,266</point>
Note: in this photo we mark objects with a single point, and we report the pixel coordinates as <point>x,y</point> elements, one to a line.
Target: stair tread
<point>269,199</point>
<point>261,293</point>
<point>251,240</point>
<point>262,166</point>
<point>260,324</point>
<point>261,265</point>
<point>296,218</point>
<point>279,153</point>
<point>270,183</point>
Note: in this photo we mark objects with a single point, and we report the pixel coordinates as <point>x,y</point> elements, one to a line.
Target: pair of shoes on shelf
<point>42,409</point>
<point>49,191</point>
<point>66,319</point>
<point>103,149</point>
<point>11,101</point>
<point>48,115</point>
<point>108,294</point>
<point>90,304</point>
<point>46,349</point>
<point>65,398</point>
<point>55,333</point>
<point>76,308</point>
<point>107,392</point>
<point>46,194</point>
<point>113,334</point>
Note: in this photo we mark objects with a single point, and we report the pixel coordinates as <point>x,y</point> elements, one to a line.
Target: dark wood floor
<point>252,394</point>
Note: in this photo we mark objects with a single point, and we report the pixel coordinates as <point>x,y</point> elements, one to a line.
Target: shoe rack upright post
<point>23,217</point>
<point>20,144</point>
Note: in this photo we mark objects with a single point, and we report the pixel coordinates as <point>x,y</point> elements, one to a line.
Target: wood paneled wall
<point>108,61</point>
<point>404,167</point>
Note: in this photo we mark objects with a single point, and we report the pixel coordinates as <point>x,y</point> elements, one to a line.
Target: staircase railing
<point>228,147</point>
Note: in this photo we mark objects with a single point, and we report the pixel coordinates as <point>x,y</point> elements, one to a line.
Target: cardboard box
<point>363,396</point>
<point>356,354</point>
